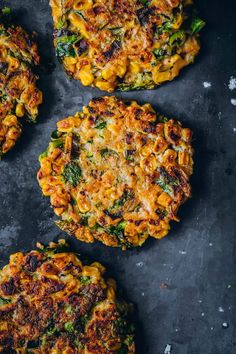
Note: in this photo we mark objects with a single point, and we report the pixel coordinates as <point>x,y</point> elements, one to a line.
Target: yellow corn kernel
<point>134,67</point>
<point>178,21</point>
<point>164,199</point>
<point>85,75</point>
<point>10,120</point>
<point>70,60</point>
<point>105,86</point>
<point>84,5</point>
<point>183,158</point>
<point>79,23</point>
<point>120,70</point>
<point>20,111</point>
<point>83,205</point>
<point>108,73</point>
<point>159,77</point>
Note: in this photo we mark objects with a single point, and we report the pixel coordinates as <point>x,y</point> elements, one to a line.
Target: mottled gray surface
<point>197,260</point>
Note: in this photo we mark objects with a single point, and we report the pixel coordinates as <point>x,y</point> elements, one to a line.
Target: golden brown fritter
<point>117,172</point>
<point>19,96</point>
<point>50,302</point>
<point>125,44</point>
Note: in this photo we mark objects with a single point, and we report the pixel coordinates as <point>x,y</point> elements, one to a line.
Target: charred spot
<point>151,128</point>
<point>102,220</point>
<point>174,136</point>
<point>69,266</point>
<point>91,109</point>
<point>3,67</point>
<point>62,32</point>
<point>32,263</point>
<point>113,216</point>
<point>153,222</point>
<point>82,46</point>
<point>75,149</point>
<point>144,140</point>
<point>92,119</point>
<point>97,99</point>
<point>54,286</point>
<point>108,113</point>
<point>129,138</point>
<point>98,10</point>
<point>7,342</point>
<point>138,113</point>
<point>143,15</point>
<point>116,45</point>
<point>161,213</point>
<point>137,222</point>
<point>8,288</point>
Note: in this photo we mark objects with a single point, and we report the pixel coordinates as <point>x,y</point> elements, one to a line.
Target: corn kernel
<point>105,86</point>
<point>79,23</point>
<point>86,76</point>
<point>134,67</point>
<point>20,111</point>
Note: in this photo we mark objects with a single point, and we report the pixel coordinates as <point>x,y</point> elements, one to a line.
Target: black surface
<point>197,260</point>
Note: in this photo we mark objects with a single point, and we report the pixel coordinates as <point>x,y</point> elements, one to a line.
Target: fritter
<point>50,302</point>
<point>125,44</point>
<point>19,96</point>
<point>117,172</point>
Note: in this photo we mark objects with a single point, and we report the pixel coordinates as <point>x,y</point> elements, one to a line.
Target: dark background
<point>184,285</point>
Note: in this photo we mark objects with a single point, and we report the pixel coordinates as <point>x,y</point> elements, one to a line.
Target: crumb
<point>139,264</point>
<point>203,314</point>
<point>234,130</point>
<point>229,286</point>
<point>225,325</point>
<point>142,294</point>
<point>233,101</point>
<point>200,301</point>
<point>210,244</point>
<point>206,84</point>
<point>220,309</point>
<point>164,286</point>
<point>212,328</point>
<point>182,252</point>
<point>232,83</point>
<point>167,349</point>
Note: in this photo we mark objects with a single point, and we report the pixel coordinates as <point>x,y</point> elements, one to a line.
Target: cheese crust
<point>19,96</point>
<point>125,44</point>
<point>50,302</point>
<point>117,172</point>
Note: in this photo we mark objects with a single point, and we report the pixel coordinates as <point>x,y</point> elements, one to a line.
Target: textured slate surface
<point>184,286</point>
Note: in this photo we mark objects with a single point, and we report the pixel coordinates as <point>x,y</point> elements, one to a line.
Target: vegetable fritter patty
<point>52,303</point>
<point>19,96</point>
<point>117,172</point>
<point>125,44</point>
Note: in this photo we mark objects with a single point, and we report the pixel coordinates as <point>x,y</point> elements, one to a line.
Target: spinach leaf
<point>177,39</point>
<point>72,173</point>
<point>64,46</point>
<point>4,301</point>
<point>85,280</point>
<point>101,125</point>
<point>197,25</point>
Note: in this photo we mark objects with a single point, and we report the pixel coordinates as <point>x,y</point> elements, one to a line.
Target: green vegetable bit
<point>72,173</point>
<point>197,25</point>
<point>85,280</point>
<point>101,125</point>
<point>69,327</point>
<point>4,301</point>
<point>64,46</point>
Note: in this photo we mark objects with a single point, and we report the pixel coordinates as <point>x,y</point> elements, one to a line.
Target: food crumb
<point>234,130</point>
<point>203,314</point>
<point>232,83</point>
<point>225,325</point>
<point>210,244</point>
<point>220,309</point>
<point>182,252</point>
<point>142,294</point>
<point>206,84</point>
<point>167,349</point>
<point>139,264</point>
<point>233,101</point>
<point>212,328</point>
